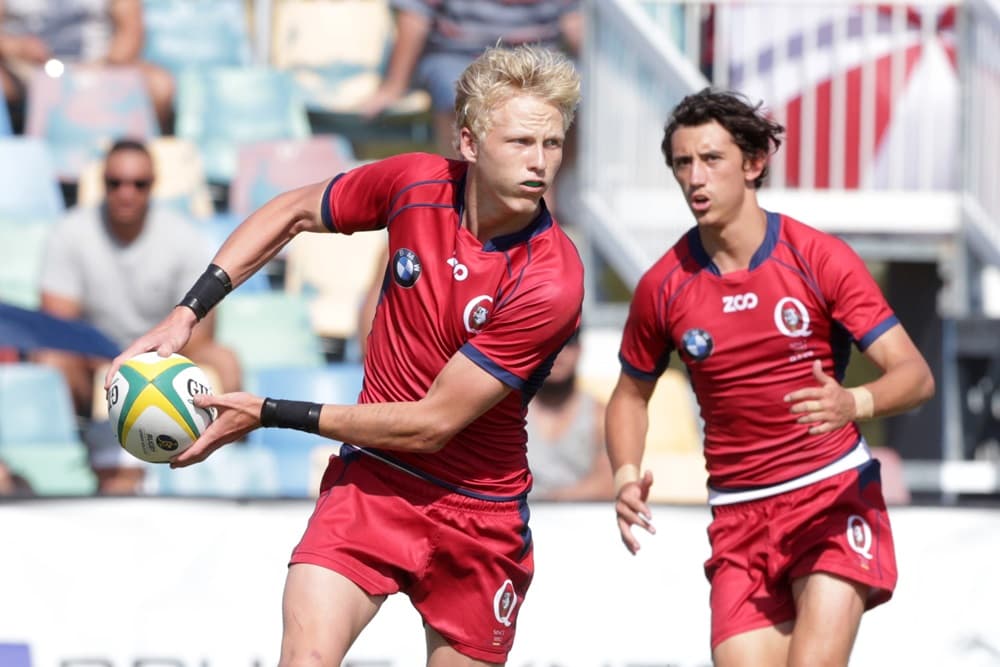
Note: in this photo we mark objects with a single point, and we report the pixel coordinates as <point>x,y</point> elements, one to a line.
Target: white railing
<point>981,127</point>
<point>869,93</point>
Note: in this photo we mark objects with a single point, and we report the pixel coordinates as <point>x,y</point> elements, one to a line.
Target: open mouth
<point>700,202</point>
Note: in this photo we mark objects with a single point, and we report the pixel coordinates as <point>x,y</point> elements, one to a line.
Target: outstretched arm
<point>461,393</point>
<point>248,248</point>
<point>627,422</point>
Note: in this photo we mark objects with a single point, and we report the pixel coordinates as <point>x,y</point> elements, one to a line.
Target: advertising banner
<point>152,582</point>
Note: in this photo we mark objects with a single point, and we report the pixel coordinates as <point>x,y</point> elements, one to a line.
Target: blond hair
<point>501,73</point>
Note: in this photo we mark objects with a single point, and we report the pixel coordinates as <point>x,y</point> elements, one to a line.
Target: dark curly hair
<point>752,131</point>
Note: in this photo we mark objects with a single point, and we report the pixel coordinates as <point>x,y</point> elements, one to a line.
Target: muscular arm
<point>269,229</point>
<point>127,37</point>
<point>461,392</point>
<point>905,383</point>
<point>627,420</point>
<point>906,380</point>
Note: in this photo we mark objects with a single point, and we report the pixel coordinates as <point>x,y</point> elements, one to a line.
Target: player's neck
<point>732,244</point>
<point>486,217</point>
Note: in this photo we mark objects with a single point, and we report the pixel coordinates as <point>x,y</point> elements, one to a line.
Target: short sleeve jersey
<point>750,337</point>
<point>509,305</point>
<point>124,290</point>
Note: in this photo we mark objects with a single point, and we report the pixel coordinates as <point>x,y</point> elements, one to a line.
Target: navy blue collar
<point>759,257</point>
<point>541,222</point>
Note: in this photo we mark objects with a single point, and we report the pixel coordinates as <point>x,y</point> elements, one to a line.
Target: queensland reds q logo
<point>477,313</point>
<point>792,318</point>
<point>504,602</point>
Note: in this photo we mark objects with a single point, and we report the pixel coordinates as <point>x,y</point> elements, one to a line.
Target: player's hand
<point>237,414</point>
<point>381,99</point>
<point>167,337</point>
<point>824,408</point>
<point>632,510</point>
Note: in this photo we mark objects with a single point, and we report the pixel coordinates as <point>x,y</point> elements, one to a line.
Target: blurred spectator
<point>565,425</point>
<point>437,39</point>
<point>99,32</point>
<point>122,266</point>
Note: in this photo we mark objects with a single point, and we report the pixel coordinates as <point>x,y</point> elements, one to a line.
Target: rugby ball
<point>151,405</point>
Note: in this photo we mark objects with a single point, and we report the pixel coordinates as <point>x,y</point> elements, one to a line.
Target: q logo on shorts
<point>859,536</point>
<point>406,267</point>
<point>504,602</point>
<point>792,318</point>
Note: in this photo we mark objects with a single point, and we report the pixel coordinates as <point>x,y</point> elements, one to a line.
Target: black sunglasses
<point>137,183</point>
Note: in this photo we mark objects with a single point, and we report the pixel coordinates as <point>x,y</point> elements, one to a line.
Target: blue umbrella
<point>29,330</point>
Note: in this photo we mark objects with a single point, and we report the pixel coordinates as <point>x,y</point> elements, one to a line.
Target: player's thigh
<point>829,610</point>
<point>323,613</point>
<point>441,654</point>
<point>763,647</point>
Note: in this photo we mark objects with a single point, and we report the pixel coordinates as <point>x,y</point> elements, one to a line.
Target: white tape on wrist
<point>626,474</point>
<point>864,403</point>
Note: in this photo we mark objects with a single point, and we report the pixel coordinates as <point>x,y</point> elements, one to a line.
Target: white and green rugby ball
<point>151,405</point>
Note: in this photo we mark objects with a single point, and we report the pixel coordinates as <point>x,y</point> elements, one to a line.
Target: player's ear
<point>468,146</point>
<point>753,166</point>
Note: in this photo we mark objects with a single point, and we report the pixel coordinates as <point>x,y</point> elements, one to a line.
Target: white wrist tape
<point>864,403</point>
<point>627,474</point>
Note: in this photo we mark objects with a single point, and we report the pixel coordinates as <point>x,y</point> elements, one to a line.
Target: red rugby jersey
<point>750,337</point>
<point>509,305</point>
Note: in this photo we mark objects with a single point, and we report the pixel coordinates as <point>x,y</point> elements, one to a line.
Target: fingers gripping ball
<point>151,405</point>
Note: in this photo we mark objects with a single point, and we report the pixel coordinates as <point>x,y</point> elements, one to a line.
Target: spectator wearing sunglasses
<point>122,266</point>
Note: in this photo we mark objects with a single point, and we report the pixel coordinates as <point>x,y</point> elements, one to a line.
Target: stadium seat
<point>219,109</point>
<point>52,468</point>
<point>180,178</point>
<point>334,273</point>
<point>337,52</point>
<point>5,127</point>
<point>21,268</point>
<point>29,186</point>
<point>79,113</point>
<point>38,433</point>
<point>35,405</point>
<point>181,34</point>
<point>268,329</point>
<point>267,168</point>
<point>293,450</point>
<point>238,470</point>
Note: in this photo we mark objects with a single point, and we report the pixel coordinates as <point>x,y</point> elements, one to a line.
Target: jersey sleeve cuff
<point>325,212</point>
<point>877,331</point>
<point>491,367</point>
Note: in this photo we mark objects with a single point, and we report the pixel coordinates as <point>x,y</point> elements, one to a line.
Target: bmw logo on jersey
<point>406,267</point>
<point>697,343</point>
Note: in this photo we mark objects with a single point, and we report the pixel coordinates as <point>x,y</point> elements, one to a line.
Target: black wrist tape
<point>207,291</point>
<point>300,415</point>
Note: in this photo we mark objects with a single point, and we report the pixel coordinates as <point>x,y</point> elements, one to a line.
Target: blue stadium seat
<point>243,470</point>
<point>80,112</point>
<point>35,405</point>
<point>181,34</point>
<point>29,186</point>
<point>333,383</point>
<point>265,169</point>
<point>22,263</point>
<point>38,434</point>
<point>5,127</point>
<point>219,109</point>
<point>268,329</point>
